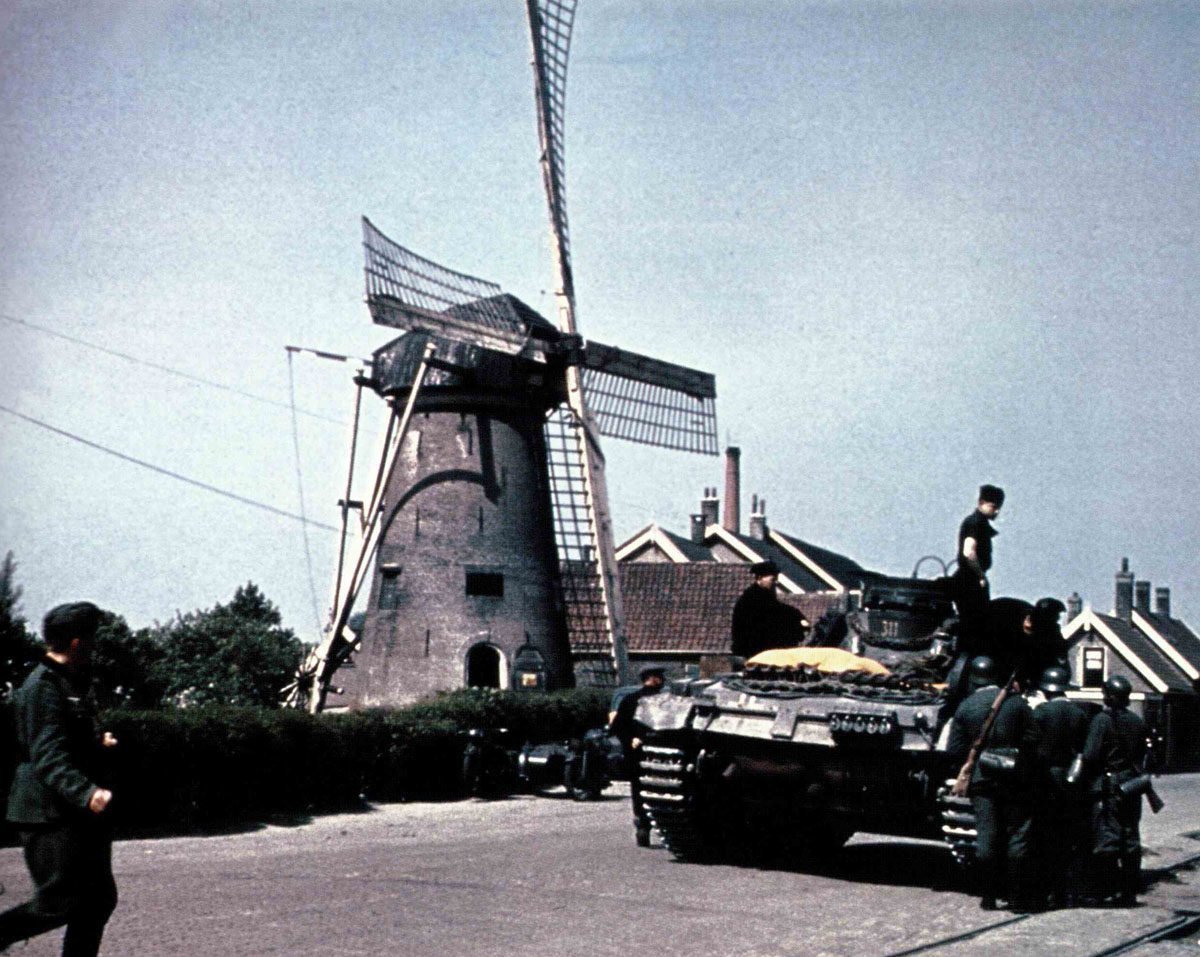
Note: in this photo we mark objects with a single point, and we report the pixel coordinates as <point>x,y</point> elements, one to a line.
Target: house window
<point>389,588</point>
<point>485,584</point>
<point>1093,667</point>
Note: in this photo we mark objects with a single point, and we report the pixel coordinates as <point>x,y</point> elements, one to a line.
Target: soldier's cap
<point>1048,608</point>
<point>991,493</point>
<point>758,569</point>
<point>77,619</point>
<point>651,670</point>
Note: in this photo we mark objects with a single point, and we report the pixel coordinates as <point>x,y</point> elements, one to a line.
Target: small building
<point>1157,653</point>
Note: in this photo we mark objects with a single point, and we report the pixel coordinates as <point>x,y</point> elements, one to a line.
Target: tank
<point>791,755</point>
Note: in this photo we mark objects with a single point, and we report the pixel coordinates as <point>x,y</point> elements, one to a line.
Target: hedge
<point>212,768</point>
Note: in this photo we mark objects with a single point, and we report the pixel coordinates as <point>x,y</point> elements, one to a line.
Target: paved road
<point>548,876</point>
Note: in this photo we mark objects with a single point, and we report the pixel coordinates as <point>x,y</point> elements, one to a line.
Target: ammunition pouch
<point>998,764</point>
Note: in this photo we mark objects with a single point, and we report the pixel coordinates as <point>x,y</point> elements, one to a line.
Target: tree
<point>126,666</point>
<point>19,650</point>
<point>237,653</point>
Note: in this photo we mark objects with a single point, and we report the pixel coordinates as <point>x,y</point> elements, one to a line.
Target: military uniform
<point>1062,816</point>
<point>1002,803</point>
<point>1116,748</point>
<point>970,594</point>
<point>68,849</point>
<point>762,622</point>
<point>625,728</point>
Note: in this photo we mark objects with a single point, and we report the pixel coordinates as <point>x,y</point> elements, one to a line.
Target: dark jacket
<point>1062,733</point>
<point>56,748</point>
<point>1014,727</point>
<point>762,622</point>
<point>1116,743</point>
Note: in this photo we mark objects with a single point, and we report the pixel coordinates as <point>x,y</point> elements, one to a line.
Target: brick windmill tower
<point>487,539</point>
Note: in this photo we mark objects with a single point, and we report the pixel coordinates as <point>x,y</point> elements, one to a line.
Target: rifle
<point>963,781</point>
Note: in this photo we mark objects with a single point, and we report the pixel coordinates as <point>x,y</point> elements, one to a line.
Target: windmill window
<point>1093,667</point>
<point>485,584</point>
<point>389,588</point>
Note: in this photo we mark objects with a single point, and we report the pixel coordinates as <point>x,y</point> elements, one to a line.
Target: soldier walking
<point>999,789</point>
<point>625,728</point>
<point>1062,817</point>
<point>55,802</point>
<point>1116,750</point>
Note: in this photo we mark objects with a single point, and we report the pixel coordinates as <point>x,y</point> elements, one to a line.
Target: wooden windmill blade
<point>646,400</point>
<point>410,292</point>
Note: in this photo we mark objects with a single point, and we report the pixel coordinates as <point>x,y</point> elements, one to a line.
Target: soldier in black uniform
<point>1116,750</point>
<point>974,557</point>
<point>625,728</point>
<point>1001,799</point>
<point>1062,817</point>
<point>55,802</point>
<point>1024,638</point>
<point>760,620</point>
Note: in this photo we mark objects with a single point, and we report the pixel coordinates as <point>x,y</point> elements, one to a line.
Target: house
<point>1157,653</point>
<point>679,591</point>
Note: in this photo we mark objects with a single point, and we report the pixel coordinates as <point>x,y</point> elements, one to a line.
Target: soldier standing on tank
<point>626,729</point>
<point>1062,817</point>
<point>1116,751</point>
<point>760,620</point>
<point>974,555</point>
<point>1001,799</point>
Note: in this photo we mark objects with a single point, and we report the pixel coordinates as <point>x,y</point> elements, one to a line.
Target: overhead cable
<point>170,371</point>
<point>162,471</point>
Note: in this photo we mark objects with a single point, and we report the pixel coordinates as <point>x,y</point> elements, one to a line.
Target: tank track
<point>958,825</point>
<point>670,794</point>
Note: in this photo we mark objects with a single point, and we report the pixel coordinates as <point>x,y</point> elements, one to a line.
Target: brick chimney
<point>733,489</point>
<point>1074,606</point>
<point>1141,596</point>
<point>1162,601</point>
<point>710,507</point>
<point>758,518</point>
<point>1123,599</point>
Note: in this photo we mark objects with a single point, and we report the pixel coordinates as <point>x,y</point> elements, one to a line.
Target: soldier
<point>1062,818</point>
<point>1024,637</point>
<point>974,556</point>
<point>760,620</point>
<point>625,728</point>
<point>55,802</point>
<point>1116,751</point>
<point>1000,797</point>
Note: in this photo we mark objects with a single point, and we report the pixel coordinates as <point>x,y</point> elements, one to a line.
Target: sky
<point>922,244</point>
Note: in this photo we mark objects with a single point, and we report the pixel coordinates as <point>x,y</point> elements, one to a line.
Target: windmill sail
<point>588,558</point>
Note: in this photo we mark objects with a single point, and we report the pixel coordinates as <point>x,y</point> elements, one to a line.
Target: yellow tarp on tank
<point>832,660</point>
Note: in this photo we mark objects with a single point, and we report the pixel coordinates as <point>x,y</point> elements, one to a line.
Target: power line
<point>312,585</point>
<point>167,369</point>
<point>162,471</point>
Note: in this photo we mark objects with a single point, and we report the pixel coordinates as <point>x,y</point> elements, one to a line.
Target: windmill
<point>488,525</point>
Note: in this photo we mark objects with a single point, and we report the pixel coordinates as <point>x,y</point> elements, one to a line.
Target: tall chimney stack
<point>710,507</point>
<point>1074,606</point>
<point>1162,601</point>
<point>758,519</point>
<point>1123,600</point>
<point>733,489</point>
<point>1141,596</point>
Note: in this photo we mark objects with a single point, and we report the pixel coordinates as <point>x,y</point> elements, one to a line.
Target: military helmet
<point>1055,680</point>
<point>1117,690</point>
<point>983,671</point>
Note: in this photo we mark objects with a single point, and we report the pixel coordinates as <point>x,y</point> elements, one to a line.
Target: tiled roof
<point>1178,635</point>
<point>680,607</point>
<point>1145,649</point>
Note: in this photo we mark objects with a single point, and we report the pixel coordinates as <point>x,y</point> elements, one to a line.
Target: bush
<point>214,767</point>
